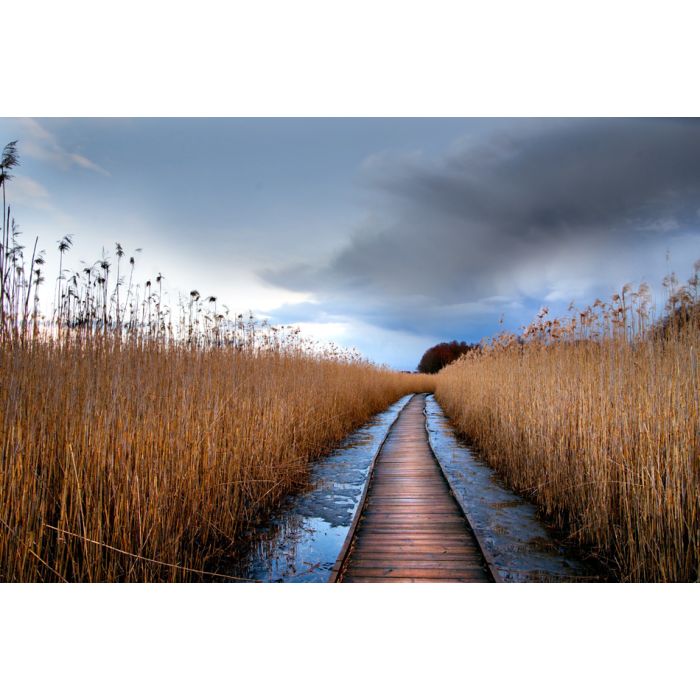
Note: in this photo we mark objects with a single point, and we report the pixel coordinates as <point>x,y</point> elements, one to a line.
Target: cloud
<point>25,189</point>
<point>534,210</point>
<point>30,193</point>
<point>41,144</point>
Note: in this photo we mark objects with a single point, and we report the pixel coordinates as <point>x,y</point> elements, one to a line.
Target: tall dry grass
<point>139,439</point>
<point>113,455</point>
<point>597,418</point>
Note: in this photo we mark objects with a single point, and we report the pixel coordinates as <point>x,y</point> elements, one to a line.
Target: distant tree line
<point>435,358</point>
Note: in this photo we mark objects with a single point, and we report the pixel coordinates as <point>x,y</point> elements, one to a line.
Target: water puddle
<point>303,539</point>
<point>301,542</point>
<point>521,546</point>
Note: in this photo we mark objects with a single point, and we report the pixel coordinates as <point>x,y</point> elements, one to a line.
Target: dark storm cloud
<point>533,209</point>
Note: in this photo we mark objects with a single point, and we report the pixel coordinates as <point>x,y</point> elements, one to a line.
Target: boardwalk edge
<point>342,556</point>
<point>488,559</point>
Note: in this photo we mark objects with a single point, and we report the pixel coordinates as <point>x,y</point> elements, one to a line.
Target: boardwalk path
<point>410,527</point>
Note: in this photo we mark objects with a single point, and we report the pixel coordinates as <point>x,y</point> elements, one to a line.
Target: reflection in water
<point>303,540</point>
<point>521,546</point>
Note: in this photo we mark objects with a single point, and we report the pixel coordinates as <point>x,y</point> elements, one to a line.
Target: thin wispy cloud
<point>27,190</point>
<point>28,194</point>
<point>39,143</point>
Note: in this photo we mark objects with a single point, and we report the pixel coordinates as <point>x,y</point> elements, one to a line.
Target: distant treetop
<point>435,358</point>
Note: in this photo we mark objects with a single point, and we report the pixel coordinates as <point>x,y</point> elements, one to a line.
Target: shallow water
<point>521,546</point>
<point>303,540</point>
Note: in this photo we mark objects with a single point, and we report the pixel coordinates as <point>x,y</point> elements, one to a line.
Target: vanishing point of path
<point>409,527</point>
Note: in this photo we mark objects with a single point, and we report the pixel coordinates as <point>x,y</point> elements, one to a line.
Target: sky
<point>387,235</point>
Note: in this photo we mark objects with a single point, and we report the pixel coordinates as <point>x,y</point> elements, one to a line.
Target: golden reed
<point>139,439</point>
<point>116,456</point>
<point>597,418</point>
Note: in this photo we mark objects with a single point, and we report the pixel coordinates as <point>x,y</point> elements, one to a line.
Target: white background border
<point>359,58</point>
<point>313,58</point>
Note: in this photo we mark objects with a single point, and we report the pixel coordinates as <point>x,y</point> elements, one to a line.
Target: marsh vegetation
<point>597,418</point>
<point>139,439</point>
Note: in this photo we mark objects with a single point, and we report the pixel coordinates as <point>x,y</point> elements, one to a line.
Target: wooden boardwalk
<point>410,527</point>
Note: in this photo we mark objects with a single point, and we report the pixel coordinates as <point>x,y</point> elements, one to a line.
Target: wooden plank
<point>376,579</point>
<point>436,561</point>
<point>418,541</point>
<point>426,522</point>
<point>477,573</point>
<point>416,555</point>
<point>413,530</point>
<point>429,515</point>
<point>419,568</point>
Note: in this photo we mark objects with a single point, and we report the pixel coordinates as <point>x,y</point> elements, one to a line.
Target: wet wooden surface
<point>411,528</point>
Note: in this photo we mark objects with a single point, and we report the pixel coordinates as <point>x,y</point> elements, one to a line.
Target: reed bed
<point>596,417</point>
<point>113,454</point>
<point>138,438</point>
